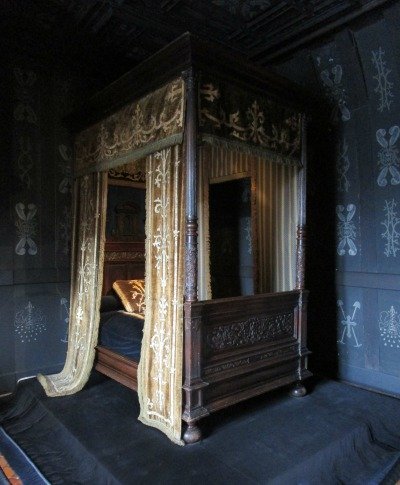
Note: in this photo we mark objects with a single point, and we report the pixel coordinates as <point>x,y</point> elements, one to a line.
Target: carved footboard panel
<point>239,347</point>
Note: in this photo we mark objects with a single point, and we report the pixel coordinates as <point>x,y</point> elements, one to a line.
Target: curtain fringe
<point>133,155</point>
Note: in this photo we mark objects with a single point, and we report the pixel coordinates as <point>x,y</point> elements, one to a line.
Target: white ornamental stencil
<point>349,335</point>
<point>389,327</point>
<point>383,86</point>
<point>29,323</point>
<point>23,110</point>
<point>388,156</point>
<point>391,225</point>
<point>346,230</point>
<point>26,229</point>
<point>332,80</point>
<point>342,167</point>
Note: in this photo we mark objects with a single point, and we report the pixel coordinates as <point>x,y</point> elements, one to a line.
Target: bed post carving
<point>301,228</point>
<point>299,390</point>
<point>193,383</point>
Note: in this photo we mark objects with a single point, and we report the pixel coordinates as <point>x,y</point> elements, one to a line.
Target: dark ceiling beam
<point>282,33</point>
<point>275,52</point>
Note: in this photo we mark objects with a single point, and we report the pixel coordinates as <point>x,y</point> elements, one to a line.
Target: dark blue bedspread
<point>121,332</point>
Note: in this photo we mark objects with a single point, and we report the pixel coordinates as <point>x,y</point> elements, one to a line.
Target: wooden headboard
<point>122,261</point>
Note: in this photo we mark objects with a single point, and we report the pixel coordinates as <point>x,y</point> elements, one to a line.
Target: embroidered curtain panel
<point>240,119</point>
<point>145,126</point>
<point>89,214</point>
<point>160,368</point>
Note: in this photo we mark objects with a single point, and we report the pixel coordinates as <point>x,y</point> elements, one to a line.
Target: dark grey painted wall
<point>35,212</point>
<point>354,201</point>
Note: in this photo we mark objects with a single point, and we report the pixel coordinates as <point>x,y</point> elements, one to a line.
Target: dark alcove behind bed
<point>120,332</point>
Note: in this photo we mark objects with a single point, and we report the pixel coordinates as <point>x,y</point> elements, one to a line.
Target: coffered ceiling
<point>111,36</point>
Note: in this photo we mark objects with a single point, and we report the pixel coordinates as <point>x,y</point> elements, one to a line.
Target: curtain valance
<point>232,118</point>
<point>140,128</point>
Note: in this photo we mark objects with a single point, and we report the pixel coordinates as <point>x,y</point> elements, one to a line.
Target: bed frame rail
<point>236,348</point>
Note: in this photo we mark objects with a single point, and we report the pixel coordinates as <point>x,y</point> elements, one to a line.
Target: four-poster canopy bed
<point>194,115</point>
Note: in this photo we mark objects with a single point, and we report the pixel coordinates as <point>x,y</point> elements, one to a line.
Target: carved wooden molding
<point>253,330</point>
<point>252,359</point>
<point>124,256</point>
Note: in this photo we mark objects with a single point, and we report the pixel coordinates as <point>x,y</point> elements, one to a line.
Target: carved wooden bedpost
<point>193,383</point>
<point>299,390</point>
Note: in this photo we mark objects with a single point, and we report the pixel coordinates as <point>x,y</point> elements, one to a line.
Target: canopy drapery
<point>241,120</point>
<point>89,215</point>
<point>275,214</point>
<point>145,126</point>
<point>153,128</point>
<point>151,125</point>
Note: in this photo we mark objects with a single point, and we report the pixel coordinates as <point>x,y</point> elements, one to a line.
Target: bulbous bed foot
<point>192,434</point>
<point>298,390</point>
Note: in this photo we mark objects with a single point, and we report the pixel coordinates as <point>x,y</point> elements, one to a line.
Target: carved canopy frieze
<point>230,114</point>
<point>140,128</point>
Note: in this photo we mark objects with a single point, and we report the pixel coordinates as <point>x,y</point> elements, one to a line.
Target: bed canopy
<point>196,115</point>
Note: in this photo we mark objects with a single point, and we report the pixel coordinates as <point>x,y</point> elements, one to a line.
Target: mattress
<point>122,333</point>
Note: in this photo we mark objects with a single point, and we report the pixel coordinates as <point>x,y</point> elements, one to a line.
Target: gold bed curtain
<point>151,125</point>
<point>160,368</point>
<point>89,213</point>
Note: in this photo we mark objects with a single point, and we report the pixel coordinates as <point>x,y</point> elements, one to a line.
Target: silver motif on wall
<point>29,323</point>
<point>389,327</point>
<point>26,229</point>
<point>255,329</point>
<point>346,230</point>
<point>23,111</point>
<point>392,228</point>
<point>332,80</point>
<point>349,336</point>
<point>388,156</point>
<point>383,86</point>
<point>342,167</point>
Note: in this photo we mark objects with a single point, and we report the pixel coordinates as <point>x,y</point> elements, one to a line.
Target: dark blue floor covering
<point>336,434</point>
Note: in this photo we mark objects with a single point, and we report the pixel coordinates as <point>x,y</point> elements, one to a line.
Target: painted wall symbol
<point>391,225</point>
<point>383,86</point>
<point>388,156</point>
<point>389,327</point>
<point>346,230</point>
<point>332,80</point>
<point>23,110</point>
<point>26,229</point>
<point>29,323</point>
<point>349,324</point>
